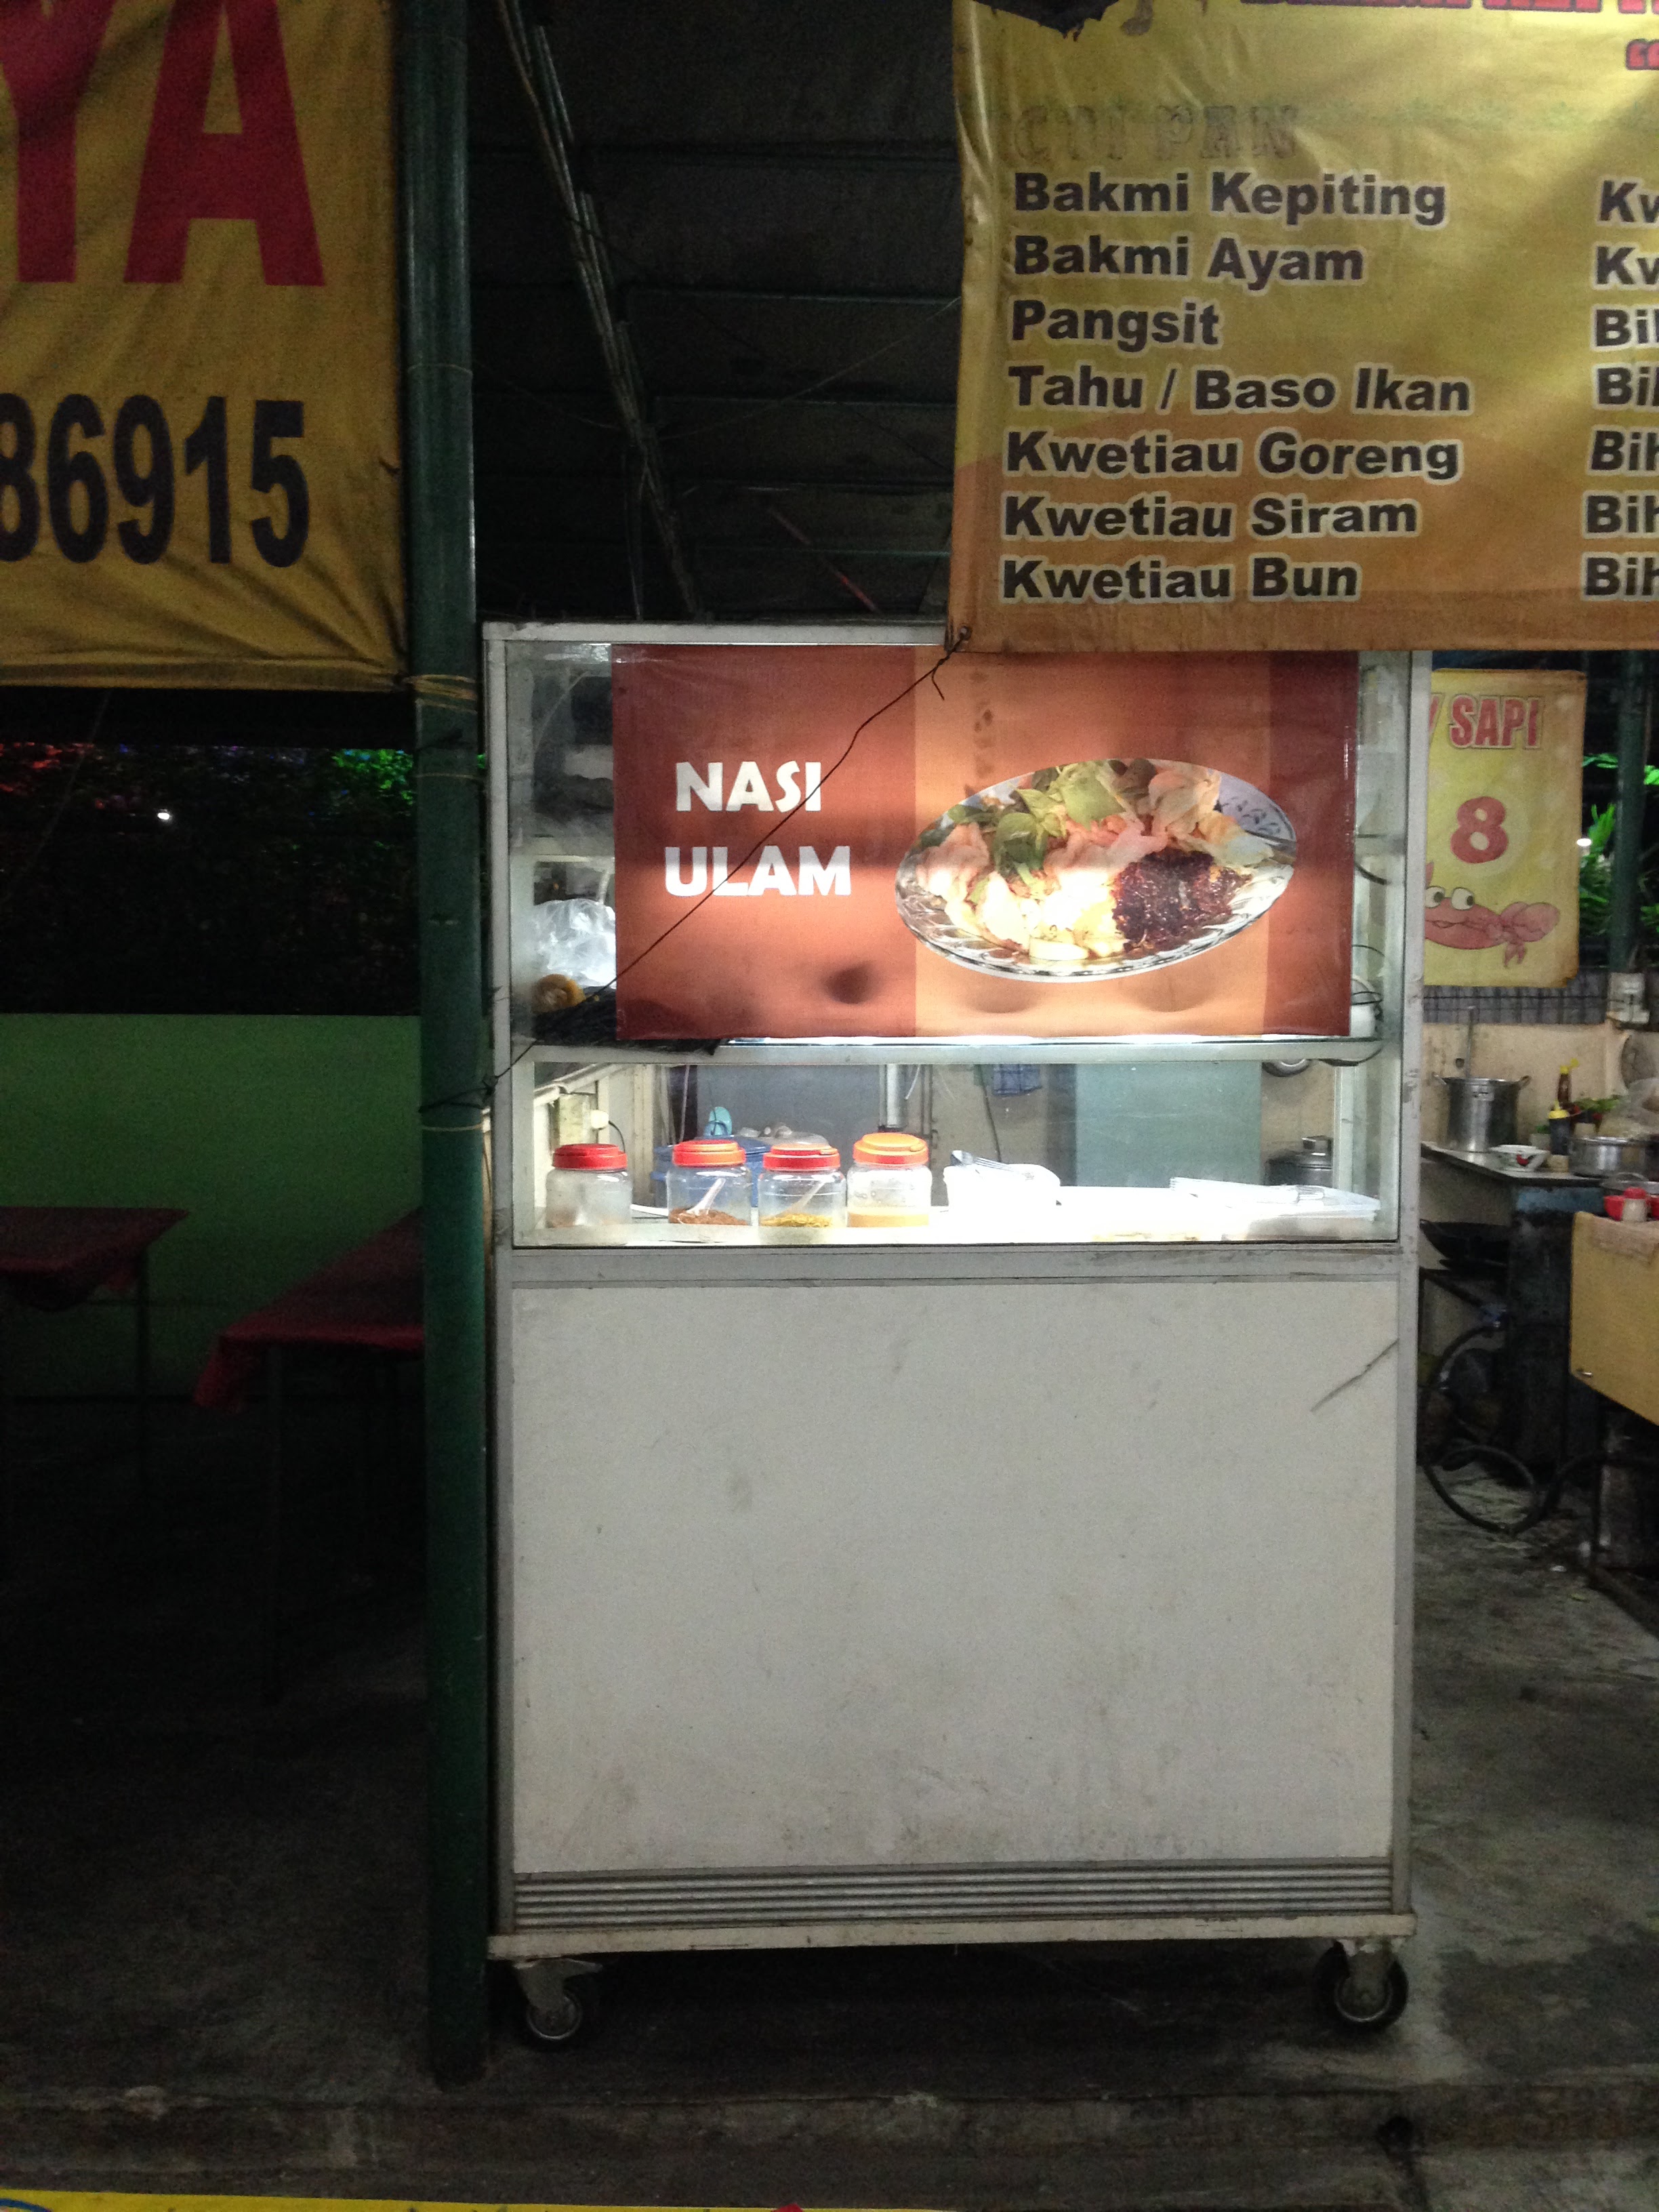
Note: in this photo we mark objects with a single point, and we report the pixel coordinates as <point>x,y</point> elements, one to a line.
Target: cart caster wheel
<point>1364,2002</point>
<point>555,2026</point>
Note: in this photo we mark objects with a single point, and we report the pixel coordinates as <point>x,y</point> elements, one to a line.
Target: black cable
<point>606,253</point>
<point>481,1097</point>
<point>766,837</point>
<point>724,422</point>
<point>634,536</point>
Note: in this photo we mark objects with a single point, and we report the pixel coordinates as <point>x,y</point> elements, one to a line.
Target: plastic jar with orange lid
<point>803,1192</point>
<point>590,1194</point>
<point>709,1193</point>
<point>891,1184</point>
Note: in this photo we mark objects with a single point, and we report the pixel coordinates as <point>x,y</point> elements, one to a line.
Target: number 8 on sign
<point>1479,834</point>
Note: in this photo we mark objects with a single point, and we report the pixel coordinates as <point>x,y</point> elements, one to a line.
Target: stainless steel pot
<point>1612,1156</point>
<point>1480,1110</point>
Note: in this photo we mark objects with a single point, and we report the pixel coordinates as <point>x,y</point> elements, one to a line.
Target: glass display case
<point>1167,1136</point>
<point>954,1284</point>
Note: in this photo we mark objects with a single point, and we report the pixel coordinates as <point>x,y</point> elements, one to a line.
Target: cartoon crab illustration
<point>1456,920</point>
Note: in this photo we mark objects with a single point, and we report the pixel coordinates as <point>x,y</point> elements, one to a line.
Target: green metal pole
<point>438,479</point>
<point>1624,897</point>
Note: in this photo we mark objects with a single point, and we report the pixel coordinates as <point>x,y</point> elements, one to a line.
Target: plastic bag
<point>575,937</point>
<point>1637,1113</point>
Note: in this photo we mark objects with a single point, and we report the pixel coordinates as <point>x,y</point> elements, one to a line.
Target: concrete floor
<point>211,1940</point>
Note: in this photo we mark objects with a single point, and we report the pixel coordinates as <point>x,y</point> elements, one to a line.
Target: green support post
<point>1624,897</point>
<point>443,666</point>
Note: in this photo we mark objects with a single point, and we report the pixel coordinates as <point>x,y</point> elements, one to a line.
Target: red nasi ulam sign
<point>812,843</point>
<point>198,426</point>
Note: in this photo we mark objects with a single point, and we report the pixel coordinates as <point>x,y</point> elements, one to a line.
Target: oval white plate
<point>925,917</point>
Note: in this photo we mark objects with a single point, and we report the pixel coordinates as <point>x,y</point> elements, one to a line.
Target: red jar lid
<point>709,1153</point>
<point>594,1158</point>
<point>891,1148</point>
<point>802,1160</point>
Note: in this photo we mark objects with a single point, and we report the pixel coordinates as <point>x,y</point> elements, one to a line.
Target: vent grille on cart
<point>777,1897</point>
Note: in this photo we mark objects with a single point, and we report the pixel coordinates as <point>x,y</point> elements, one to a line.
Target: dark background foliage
<point>145,878</point>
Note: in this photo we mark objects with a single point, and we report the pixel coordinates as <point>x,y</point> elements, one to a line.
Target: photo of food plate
<point>1095,869</point>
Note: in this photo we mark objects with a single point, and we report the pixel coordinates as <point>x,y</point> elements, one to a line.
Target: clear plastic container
<point>709,1190</point>
<point>590,1194</point>
<point>1001,1195</point>
<point>890,1185</point>
<point>803,1192</point>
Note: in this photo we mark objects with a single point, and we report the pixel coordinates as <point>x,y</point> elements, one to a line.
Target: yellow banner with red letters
<point>1298,322</point>
<point>198,413</point>
<point>1506,749</point>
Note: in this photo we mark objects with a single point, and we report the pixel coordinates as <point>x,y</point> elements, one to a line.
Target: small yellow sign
<point>1506,752</point>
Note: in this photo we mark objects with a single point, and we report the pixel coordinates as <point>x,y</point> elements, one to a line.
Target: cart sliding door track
<point>779,1897</point>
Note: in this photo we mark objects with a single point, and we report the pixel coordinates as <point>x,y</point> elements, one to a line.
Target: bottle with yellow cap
<point>1560,1121</point>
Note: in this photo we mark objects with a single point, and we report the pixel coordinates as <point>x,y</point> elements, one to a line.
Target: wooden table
<point>1615,1351</point>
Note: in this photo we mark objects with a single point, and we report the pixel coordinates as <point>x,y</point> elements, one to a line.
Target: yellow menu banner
<point>1292,324</point>
<point>1506,750</point>
<point>198,414</point>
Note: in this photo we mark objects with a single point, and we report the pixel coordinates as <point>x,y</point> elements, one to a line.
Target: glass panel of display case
<point>1162,1137</point>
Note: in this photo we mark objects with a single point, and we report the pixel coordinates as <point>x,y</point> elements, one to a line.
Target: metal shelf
<point>939,1052</point>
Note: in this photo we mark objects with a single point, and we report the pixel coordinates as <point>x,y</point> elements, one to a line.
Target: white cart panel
<point>972,1574</point>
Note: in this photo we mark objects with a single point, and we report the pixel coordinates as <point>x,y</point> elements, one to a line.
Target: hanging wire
<point>480,1097</point>
<point>746,414</point>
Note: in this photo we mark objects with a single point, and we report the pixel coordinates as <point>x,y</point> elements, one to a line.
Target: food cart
<point>1040,1570</point>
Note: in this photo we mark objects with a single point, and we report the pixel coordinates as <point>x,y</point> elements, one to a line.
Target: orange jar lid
<point>891,1148</point>
<point>802,1160</point>
<point>709,1153</point>
<point>595,1159</point>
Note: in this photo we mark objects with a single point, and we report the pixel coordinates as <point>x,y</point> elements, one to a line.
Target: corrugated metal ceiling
<point>774,185</point>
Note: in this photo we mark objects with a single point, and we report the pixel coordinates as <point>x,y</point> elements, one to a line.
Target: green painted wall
<point>288,1139</point>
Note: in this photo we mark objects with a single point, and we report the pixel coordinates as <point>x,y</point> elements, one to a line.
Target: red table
<point>54,1257</point>
<point>370,1297</point>
<point>368,1300</point>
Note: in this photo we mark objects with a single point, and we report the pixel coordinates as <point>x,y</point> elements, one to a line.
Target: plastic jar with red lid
<point>590,1194</point>
<point>803,1192</point>
<point>891,1183</point>
<point>709,1191</point>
